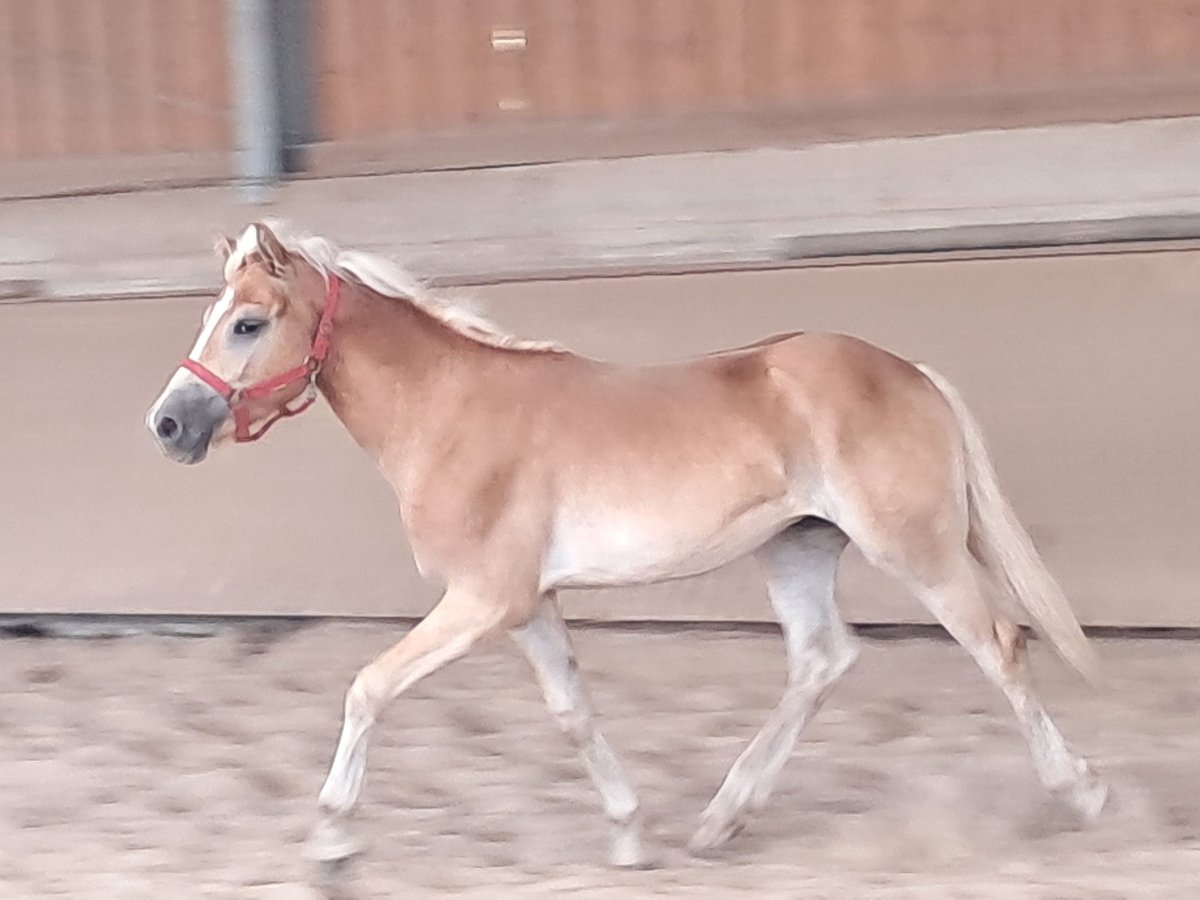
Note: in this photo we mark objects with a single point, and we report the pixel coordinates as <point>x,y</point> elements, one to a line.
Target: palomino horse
<point>521,468</point>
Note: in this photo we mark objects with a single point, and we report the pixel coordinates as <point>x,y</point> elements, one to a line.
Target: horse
<point>522,469</point>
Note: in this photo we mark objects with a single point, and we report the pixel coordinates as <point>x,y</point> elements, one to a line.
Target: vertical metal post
<point>294,71</point>
<point>257,115</point>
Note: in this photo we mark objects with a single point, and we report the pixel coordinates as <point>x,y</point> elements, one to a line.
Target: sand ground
<point>171,767</point>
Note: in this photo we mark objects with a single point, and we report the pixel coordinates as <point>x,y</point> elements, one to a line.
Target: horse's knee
<point>365,697</point>
<point>575,723</point>
<point>819,661</point>
<point>844,656</point>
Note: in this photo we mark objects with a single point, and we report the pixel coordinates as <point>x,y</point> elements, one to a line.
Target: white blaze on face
<point>182,376</point>
<point>224,302</point>
<point>247,243</point>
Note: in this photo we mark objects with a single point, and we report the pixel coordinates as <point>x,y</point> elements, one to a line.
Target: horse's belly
<point>621,549</point>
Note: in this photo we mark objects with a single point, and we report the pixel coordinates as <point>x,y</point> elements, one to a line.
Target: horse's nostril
<point>167,428</point>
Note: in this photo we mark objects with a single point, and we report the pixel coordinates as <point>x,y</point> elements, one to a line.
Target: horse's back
<point>821,374</point>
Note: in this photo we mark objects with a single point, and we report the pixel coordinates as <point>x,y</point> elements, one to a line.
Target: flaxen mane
<point>386,278</point>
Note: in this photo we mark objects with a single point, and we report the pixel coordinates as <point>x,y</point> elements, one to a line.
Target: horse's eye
<point>248,327</point>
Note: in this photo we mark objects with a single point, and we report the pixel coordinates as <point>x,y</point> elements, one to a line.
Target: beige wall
<point>1083,371</point>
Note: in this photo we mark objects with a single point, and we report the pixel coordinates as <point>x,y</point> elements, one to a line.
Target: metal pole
<point>294,75</point>
<point>257,116</point>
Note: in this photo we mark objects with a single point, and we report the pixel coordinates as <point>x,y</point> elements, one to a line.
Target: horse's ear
<point>223,247</point>
<point>272,252</point>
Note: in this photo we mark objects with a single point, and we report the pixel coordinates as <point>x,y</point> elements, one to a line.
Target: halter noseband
<point>239,398</point>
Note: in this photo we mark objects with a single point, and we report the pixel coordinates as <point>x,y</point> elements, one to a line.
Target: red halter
<point>238,398</point>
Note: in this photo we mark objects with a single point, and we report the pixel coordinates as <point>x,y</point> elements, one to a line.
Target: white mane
<point>384,277</point>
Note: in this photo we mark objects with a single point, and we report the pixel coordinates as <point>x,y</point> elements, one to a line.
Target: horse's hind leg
<point>938,567</point>
<point>801,567</point>
<point>998,646</point>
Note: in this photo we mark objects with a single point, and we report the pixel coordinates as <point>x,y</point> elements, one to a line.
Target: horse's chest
<point>454,521</point>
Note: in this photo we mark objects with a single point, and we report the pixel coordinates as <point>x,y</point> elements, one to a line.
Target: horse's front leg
<point>459,621</point>
<point>547,646</point>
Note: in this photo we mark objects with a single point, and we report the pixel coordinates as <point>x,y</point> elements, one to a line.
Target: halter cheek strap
<point>238,399</point>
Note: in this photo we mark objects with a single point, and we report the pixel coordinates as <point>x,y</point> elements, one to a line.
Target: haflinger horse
<point>522,469</point>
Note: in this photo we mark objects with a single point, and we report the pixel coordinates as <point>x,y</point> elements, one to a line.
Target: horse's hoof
<point>331,845</point>
<point>715,832</point>
<point>643,864</point>
<point>1089,796</point>
<point>627,851</point>
<point>640,863</point>
<point>333,881</point>
<point>631,858</point>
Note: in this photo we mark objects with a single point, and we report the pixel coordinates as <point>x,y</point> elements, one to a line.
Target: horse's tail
<point>998,540</point>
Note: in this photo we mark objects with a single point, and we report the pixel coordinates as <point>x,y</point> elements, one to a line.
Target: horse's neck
<point>389,365</point>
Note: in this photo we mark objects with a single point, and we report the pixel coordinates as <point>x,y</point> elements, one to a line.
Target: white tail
<point>1002,545</point>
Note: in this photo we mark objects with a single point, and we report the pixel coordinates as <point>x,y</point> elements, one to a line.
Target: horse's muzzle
<point>184,420</point>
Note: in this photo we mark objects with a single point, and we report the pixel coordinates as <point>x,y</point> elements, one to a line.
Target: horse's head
<point>256,353</point>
